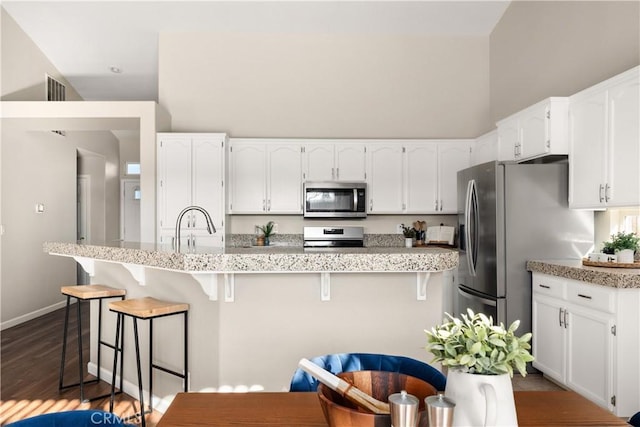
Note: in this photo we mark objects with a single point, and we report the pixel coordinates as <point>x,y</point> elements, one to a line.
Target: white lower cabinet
<point>589,354</point>
<point>582,339</point>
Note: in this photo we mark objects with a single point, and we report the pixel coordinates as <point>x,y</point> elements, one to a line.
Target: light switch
<point>39,208</point>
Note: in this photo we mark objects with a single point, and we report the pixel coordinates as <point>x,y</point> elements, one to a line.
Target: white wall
<point>325,85</point>
<point>557,48</point>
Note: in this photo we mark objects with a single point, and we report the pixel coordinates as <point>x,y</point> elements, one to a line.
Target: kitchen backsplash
<point>370,240</point>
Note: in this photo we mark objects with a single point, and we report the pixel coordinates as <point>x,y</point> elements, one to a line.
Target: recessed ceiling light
<point>115,69</point>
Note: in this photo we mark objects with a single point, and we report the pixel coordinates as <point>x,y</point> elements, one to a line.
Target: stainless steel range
<point>333,237</point>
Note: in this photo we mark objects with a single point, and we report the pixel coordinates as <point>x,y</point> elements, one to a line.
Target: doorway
<point>130,197</point>
<point>83,218</point>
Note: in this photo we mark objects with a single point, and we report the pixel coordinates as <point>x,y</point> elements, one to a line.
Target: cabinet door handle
<point>264,205</point>
<point>600,191</point>
<point>269,205</point>
<point>332,173</point>
<point>560,316</point>
<point>441,204</point>
<point>436,204</point>
<point>544,286</point>
<point>370,205</point>
<point>584,296</point>
<point>566,321</point>
<point>337,174</point>
<point>606,192</point>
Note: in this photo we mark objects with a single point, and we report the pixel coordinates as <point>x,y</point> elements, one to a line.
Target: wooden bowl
<point>340,412</point>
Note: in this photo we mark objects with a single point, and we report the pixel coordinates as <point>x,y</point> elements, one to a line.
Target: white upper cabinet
<point>318,162</point>
<point>416,177</point>
<point>421,177</point>
<point>624,143</point>
<point>284,178</point>
<point>485,148</point>
<point>266,177</point>
<point>604,144</point>
<point>537,131</point>
<point>453,156</point>
<point>340,161</point>
<point>190,171</point>
<point>350,161</point>
<point>385,173</point>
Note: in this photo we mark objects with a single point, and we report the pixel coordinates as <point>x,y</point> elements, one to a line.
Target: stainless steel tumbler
<point>404,409</point>
<point>439,410</point>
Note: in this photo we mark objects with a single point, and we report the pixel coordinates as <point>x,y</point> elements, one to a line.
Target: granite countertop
<point>265,259</point>
<point>573,269</point>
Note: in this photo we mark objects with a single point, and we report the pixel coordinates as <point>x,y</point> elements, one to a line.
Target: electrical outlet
<point>398,228</point>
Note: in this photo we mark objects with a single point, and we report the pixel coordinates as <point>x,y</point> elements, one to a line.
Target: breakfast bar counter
<point>254,312</point>
<point>265,258</point>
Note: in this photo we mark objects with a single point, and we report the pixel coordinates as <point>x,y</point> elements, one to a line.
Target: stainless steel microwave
<point>335,199</point>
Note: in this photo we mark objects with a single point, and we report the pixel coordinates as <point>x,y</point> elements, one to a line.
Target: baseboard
<point>30,316</point>
<point>160,405</point>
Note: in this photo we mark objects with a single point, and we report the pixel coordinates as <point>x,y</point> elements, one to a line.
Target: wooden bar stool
<point>87,293</point>
<point>148,309</point>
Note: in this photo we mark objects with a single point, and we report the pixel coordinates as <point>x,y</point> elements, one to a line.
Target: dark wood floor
<point>30,363</point>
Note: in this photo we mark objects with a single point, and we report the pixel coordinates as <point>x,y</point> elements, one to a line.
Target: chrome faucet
<point>210,227</point>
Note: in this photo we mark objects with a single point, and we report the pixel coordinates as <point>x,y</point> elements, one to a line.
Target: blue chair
<point>635,420</point>
<point>86,418</point>
<point>348,362</point>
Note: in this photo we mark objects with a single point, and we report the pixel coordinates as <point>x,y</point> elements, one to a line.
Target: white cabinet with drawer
<point>585,337</point>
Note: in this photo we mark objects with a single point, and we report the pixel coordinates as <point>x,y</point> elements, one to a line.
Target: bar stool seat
<point>87,293</point>
<point>149,308</point>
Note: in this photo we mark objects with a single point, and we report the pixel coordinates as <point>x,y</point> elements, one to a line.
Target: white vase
<point>408,242</point>
<point>625,256</point>
<point>481,400</point>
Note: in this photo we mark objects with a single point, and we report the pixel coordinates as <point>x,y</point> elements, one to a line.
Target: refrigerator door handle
<point>471,208</point>
<point>483,300</point>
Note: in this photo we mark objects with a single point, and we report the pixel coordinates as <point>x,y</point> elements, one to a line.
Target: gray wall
<point>557,48</point>
<point>38,166</point>
<point>325,85</point>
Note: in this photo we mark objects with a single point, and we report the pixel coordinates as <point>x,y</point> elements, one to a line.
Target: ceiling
<point>84,39</point>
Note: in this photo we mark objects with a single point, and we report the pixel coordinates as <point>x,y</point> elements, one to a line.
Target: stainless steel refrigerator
<point>509,214</point>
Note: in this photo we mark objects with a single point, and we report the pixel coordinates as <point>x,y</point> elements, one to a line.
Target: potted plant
<point>267,231</point>
<point>481,358</point>
<point>409,233</point>
<point>624,245</point>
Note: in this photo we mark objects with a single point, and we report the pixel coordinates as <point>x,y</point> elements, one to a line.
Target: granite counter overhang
<point>574,269</point>
<point>267,259</point>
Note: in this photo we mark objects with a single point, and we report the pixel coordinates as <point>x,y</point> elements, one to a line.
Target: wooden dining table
<point>302,409</point>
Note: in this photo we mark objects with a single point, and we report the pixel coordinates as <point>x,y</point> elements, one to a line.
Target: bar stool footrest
<point>169,371</point>
<point>64,387</point>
